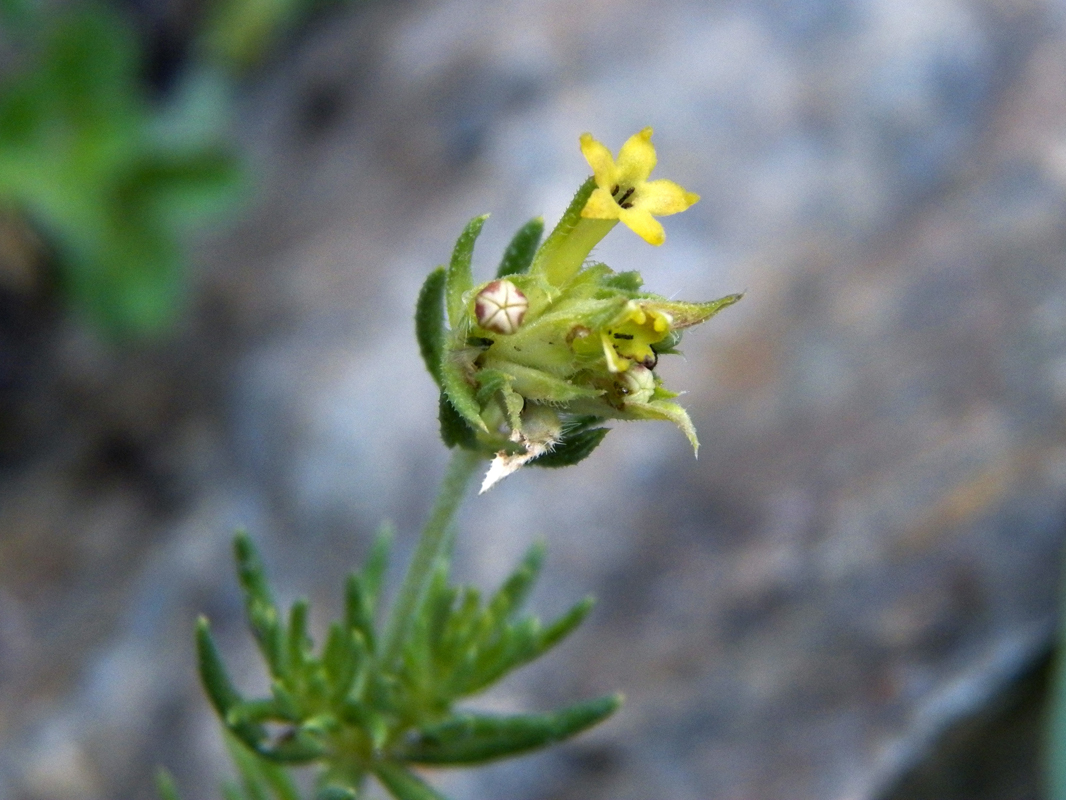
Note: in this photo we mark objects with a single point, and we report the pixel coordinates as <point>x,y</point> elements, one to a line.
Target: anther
<point>623,198</point>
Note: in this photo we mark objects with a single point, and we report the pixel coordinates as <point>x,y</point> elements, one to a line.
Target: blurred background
<point>214,220</point>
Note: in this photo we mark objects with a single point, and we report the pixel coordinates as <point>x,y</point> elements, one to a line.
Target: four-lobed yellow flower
<point>623,191</point>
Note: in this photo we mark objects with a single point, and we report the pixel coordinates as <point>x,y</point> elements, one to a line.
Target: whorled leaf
<point>459,275</point>
<point>478,738</point>
<point>519,253</point>
<point>429,322</point>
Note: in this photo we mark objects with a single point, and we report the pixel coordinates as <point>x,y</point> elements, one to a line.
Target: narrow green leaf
<point>460,278</point>
<point>403,784</point>
<point>477,738</point>
<point>429,321</point>
<point>454,430</point>
<point>165,786</point>
<point>461,394</point>
<point>357,612</point>
<point>376,564</point>
<point>336,793</point>
<point>519,253</point>
<point>565,625</point>
<point>573,449</point>
<point>296,747</point>
<point>512,595</point>
<point>299,641</point>
<point>259,605</point>
<point>259,775</point>
<point>218,686</point>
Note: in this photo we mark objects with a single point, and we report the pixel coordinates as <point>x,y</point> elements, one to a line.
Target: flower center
<point>621,195</point>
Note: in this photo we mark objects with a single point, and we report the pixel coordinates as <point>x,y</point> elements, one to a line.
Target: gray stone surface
<point>868,545</point>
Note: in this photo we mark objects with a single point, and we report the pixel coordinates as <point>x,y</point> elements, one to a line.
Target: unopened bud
<point>638,383</point>
<point>500,307</point>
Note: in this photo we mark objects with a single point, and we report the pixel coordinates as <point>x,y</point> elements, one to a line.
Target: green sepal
<point>429,321</point>
<point>461,394</point>
<point>454,430</point>
<point>519,253</point>
<point>572,449</point>
<point>404,784</point>
<point>667,346</point>
<point>685,315</point>
<point>460,279</point>
<point>220,690</point>
<point>477,738</point>
<point>626,281</point>
<point>664,410</point>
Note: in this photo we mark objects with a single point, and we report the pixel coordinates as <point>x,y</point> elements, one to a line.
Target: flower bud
<point>500,307</point>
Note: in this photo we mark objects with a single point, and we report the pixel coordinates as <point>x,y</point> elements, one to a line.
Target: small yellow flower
<point>623,190</point>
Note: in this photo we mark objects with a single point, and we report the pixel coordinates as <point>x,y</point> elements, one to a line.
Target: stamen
<point>622,200</point>
<point>628,336</point>
<point>614,190</point>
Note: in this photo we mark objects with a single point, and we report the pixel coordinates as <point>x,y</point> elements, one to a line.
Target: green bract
<point>530,362</point>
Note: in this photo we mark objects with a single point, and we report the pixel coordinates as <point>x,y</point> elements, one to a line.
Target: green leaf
<point>461,394</point>
<point>259,605</point>
<point>519,253</point>
<point>358,614</point>
<point>220,690</point>
<point>565,625</point>
<point>477,738</point>
<point>454,430</point>
<point>512,595</point>
<point>259,776</point>
<point>460,278</point>
<point>336,793</point>
<point>429,322</point>
<point>403,784</point>
<point>299,641</point>
<point>573,448</point>
<point>376,564</point>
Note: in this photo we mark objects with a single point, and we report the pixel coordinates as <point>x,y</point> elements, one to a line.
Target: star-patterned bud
<point>500,307</point>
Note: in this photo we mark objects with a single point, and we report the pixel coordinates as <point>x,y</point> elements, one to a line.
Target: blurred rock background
<point>866,551</point>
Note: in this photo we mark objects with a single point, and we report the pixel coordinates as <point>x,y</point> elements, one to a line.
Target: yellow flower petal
<point>642,223</point>
<point>601,161</point>
<point>663,197</point>
<point>636,159</point>
<point>601,206</point>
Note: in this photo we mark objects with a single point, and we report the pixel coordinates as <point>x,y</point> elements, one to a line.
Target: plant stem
<point>431,545</point>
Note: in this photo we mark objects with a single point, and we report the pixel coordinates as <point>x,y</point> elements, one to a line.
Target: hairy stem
<point>431,545</point>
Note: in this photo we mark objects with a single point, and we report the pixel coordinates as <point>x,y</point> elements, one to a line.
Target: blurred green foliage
<point>110,179</point>
<point>353,711</point>
<point>113,179</point>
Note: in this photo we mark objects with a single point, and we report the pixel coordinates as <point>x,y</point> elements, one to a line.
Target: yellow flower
<point>623,190</point>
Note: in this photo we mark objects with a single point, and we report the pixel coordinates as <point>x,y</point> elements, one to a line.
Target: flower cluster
<point>532,360</point>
